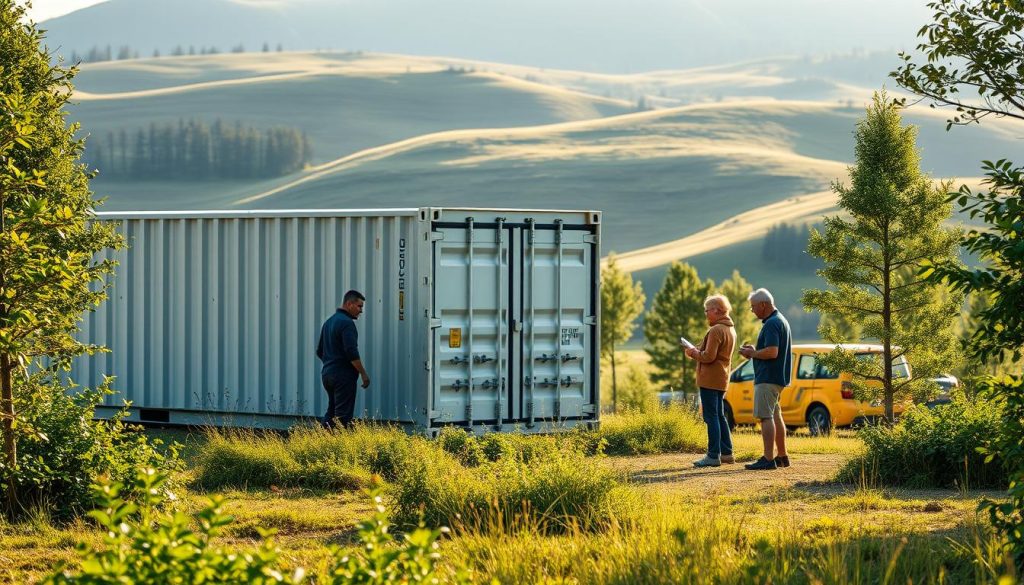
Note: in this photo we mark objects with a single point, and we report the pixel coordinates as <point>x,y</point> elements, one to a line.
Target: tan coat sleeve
<point>710,351</point>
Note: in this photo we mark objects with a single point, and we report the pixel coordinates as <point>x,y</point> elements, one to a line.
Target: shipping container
<point>483,318</point>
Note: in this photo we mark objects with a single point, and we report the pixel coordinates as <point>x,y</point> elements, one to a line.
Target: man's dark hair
<point>352,295</point>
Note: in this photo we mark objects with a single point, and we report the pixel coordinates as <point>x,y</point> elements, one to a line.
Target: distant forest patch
<point>194,150</point>
<point>785,247</point>
<point>99,54</point>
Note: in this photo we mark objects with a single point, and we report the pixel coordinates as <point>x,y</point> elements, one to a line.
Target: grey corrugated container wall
<point>213,317</point>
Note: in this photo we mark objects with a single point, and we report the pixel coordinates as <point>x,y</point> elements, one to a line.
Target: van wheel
<point>819,421</point>
<point>729,417</point>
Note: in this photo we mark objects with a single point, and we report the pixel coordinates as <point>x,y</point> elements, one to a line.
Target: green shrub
<point>660,430</point>
<point>1007,516</point>
<point>62,451</point>
<point>636,392</point>
<point>462,445</point>
<point>936,447</point>
<point>144,544</point>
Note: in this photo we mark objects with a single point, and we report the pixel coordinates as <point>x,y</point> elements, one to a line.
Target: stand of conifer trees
<point>193,150</point>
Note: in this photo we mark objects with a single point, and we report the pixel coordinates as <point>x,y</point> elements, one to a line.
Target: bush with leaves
<point>145,543</point>
<point>935,447</point>
<point>63,451</point>
<point>1008,516</point>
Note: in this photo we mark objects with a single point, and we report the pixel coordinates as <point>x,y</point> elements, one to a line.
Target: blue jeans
<point>719,438</point>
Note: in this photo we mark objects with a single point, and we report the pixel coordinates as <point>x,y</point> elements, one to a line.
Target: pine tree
<point>678,311</point>
<point>872,261</point>
<point>622,301</point>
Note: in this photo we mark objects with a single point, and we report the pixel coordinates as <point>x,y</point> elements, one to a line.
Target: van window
<point>744,372</point>
<point>825,373</point>
<point>805,369</point>
<point>900,369</point>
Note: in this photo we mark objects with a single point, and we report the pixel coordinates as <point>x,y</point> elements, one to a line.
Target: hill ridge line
<point>398,147</point>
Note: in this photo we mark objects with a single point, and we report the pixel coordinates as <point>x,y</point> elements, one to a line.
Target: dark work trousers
<point>341,399</point>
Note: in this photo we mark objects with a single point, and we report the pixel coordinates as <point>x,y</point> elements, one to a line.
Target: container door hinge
<point>426,365</point>
<point>590,320</point>
<point>435,236</point>
<point>435,323</point>
<point>588,408</point>
<point>590,239</point>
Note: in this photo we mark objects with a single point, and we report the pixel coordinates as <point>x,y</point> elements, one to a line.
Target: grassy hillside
<point>398,131</point>
<point>658,175</point>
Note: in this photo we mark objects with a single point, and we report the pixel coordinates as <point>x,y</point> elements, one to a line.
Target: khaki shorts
<point>766,400</point>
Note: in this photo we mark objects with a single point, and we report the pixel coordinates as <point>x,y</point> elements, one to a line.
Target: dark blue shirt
<point>339,345</point>
<point>775,332</point>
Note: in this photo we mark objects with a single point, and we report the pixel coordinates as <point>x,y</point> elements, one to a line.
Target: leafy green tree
<point>678,310</point>
<point>973,54</point>
<point>841,328</point>
<point>871,262</point>
<point>622,301</point>
<point>47,273</point>
<point>736,289</point>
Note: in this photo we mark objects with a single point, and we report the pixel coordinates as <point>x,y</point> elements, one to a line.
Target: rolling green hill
<point>399,131</point>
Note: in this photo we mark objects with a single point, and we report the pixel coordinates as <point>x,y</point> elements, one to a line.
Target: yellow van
<point>816,396</point>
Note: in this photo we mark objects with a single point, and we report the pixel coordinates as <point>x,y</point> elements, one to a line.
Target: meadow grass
<point>705,544</point>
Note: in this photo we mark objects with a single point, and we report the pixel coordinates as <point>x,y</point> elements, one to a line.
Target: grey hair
<point>721,301</point>
<point>761,295</point>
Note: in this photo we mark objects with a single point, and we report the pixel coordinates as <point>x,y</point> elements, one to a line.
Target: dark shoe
<point>728,459</point>
<point>782,461</point>
<point>762,463</point>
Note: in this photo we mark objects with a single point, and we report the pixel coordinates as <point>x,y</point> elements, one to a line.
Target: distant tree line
<point>785,248</point>
<point>194,150</point>
<point>107,53</point>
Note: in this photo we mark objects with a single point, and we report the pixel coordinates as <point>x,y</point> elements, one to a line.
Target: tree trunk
<point>10,446</point>
<point>887,389</point>
<point>615,386</point>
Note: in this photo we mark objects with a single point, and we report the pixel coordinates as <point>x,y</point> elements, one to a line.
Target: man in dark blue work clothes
<point>338,349</point>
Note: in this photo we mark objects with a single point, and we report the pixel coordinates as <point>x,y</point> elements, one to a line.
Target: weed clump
<point>661,430</point>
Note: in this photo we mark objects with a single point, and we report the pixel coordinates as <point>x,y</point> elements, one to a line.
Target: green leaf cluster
<point>147,542</point>
<point>872,260</point>
<point>973,55</point>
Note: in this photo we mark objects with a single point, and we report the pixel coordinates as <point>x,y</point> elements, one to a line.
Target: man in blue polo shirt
<point>773,364</point>
<point>338,349</point>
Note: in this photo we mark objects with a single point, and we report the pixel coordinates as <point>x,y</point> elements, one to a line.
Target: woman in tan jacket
<point>714,361</point>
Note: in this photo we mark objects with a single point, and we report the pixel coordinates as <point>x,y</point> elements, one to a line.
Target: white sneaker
<point>707,462</point>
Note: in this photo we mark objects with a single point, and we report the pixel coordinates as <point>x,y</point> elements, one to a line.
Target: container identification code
<point>570,335</point>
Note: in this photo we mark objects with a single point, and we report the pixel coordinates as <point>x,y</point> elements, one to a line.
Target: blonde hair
<point>721,301</point>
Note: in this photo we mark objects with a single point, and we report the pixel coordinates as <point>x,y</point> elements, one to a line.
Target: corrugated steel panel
<point>215,315</point>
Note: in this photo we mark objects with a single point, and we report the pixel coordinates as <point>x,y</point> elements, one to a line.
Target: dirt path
<point>676,471</point>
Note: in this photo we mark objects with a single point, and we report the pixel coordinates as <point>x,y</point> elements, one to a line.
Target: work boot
<point>728,459</point>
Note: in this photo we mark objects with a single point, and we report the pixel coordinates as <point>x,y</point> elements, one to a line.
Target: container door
<point>470,364</point>
<point>557,314</point>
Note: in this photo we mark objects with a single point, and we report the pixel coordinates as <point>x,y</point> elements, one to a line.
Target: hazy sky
<point>43,9</point>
